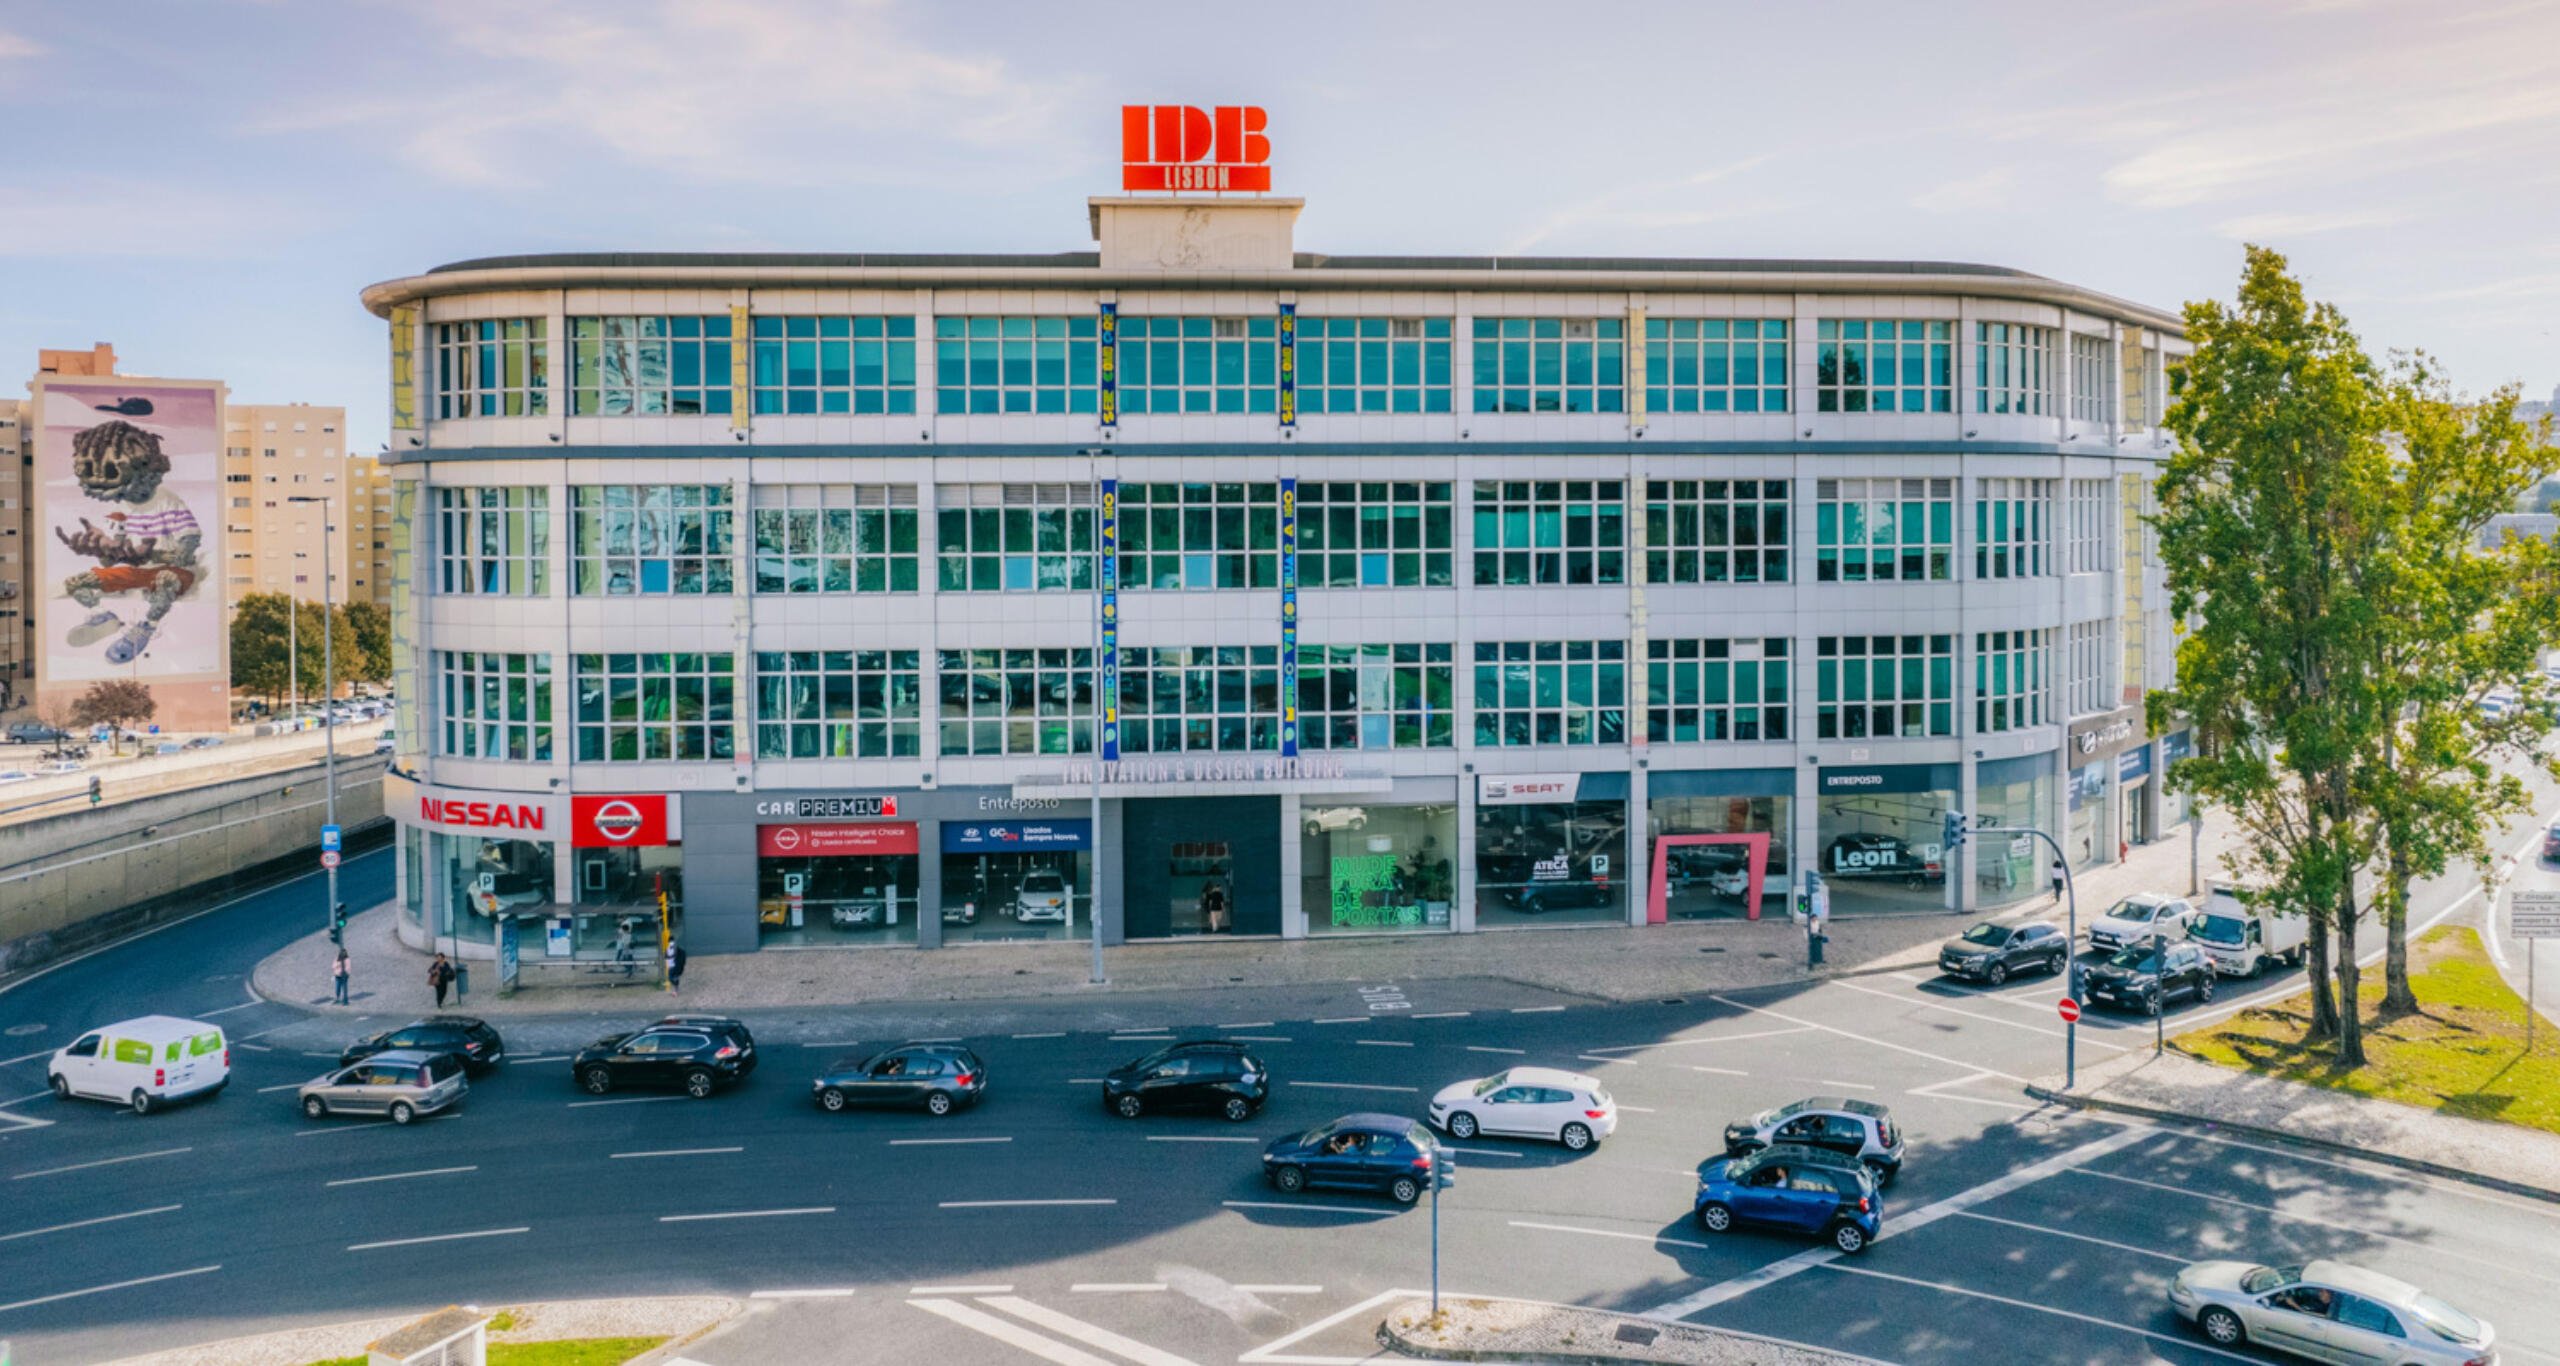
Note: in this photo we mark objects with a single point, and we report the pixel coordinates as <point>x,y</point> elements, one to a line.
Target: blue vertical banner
<point>1110,586</point>
<point>1288,599</point>
<point>1288,365</point>
<point>1110,365</point>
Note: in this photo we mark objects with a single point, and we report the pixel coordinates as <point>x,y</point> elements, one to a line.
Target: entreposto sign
<point>1179,147</point>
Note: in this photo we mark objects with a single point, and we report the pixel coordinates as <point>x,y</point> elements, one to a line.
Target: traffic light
<point>97,791</point>
<point>1444,1169</point>
<point>338,923</point>
<point>1955,825</point>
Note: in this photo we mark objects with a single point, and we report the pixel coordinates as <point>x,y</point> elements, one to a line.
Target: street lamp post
<point>2071,940</point>
<point>328,683</point>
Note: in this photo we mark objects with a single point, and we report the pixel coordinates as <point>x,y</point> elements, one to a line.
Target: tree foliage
<point>114,703</point>
<point>372,628</point>
<point>270,629</point>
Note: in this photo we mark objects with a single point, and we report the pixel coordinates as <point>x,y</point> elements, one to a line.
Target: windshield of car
<point>2139,912</point>
<point>2259,1280</point>
<point>1491,1082</point>
<point>2443,1319</point>
<point>1988,934</point>
<point>1044,882</point>
<point>2138,959</point>
<point>2220,929</point>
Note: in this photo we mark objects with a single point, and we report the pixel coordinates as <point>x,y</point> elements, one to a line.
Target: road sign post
<point>2070,939</point>
<point>2070,1010</point>
<point>328,858</point>
<point>2532,916</point>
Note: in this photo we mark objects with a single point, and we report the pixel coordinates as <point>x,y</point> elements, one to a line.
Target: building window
<point>1017,701</point>
<point>1199,535</point>
<point>2015,369</point>
<point>1551,692</point>
<point>2085,665</point>
<point>1377,696</point>
<point>674,364</point>
<point>640,707</point>
<point>1550,531</point>
<point>651,538</point>
<point>1884,366</point>
<point>496,706</point>
<point>1373,365</point>
<point>1715,365</point>
<point>1016,538</point>
<point>1550,365</point>
<point>1379,535</point>
<point>835,538</point>
<point>2090,499</point>
<point>1016,365</point>
<point>2011,521</point>
<point>493,540</point>
<point>1715,531</point>
<point>1205,698</point>
<point>1879,686</point>
<point>839,704</point>
<point>1873,530</point>
<point>495,367</point>
<point>1199,365</point>
<point>2131,629</point>
<point>835,365</point>
<point>1705,690</point>
<point>2009,677</point>
<point>2092,398</point>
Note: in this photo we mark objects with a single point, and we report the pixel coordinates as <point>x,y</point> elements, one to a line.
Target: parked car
<point>15,775</point>
<point>1807,1190</point>
<point>960,913</point>
<point>384,743</point>
<point>1528,1102</point>
<point>696,1054</point>
<point>2146,977</point>
<point>469,1039</point>
<point>399,1084</point>
<point>1385,1154</point>
<point>58,767</point>
<point>2551,843</point>
<point>145,1063</point>
<point>1991,952</point>
<point>2139,917</point>
<point>2329,1311</point>
<point>204,742</point>
<point>869,911</point>
<point>2240,940</point>
<point>1538,898</point>
<point>1212,1075</point>
<point>1872,854</point>
<point>1042,895</point>
<point>1852,1128</point>
<point>1326,819</point>
<point>939,1077</point>
<point>34,733</point>
<point>168,747</point>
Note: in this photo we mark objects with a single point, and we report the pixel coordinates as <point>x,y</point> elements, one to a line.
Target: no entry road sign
<point>2070,1010</point>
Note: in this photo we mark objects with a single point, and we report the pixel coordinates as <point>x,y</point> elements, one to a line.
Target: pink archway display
<point>1658,904</point>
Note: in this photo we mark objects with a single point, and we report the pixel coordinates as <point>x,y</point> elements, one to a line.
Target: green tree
<point>114,703</point>
<point>372,627</point>
<point>258,637</point>
<point>270,629</point>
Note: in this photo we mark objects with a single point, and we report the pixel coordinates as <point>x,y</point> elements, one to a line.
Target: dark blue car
<point>1806,1190</point>
<point>1386,1154</point>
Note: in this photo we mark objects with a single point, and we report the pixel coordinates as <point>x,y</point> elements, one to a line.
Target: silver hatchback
<point>400,1085</point>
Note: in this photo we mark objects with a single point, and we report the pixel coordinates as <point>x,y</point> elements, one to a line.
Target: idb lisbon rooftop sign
<point>1179,147</point>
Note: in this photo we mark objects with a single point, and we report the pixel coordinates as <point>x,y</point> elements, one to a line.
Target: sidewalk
<point>679,1320</point>
<point>1601,962</point>
<point>1477,1328</point>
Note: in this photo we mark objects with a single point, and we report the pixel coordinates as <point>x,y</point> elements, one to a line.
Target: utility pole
<point>328,678</point>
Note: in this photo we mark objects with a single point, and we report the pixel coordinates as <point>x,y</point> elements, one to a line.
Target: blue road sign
<point>329,839</point>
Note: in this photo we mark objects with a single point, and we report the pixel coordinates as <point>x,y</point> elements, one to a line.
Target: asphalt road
<point>1036,1227</point>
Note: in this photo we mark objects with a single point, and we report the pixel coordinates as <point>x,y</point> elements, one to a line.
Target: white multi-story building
<point>1420,594</point>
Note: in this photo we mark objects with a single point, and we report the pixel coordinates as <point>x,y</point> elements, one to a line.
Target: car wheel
<point>1239,1109</point>
<point>2151,1002</point>
<point>1995,974</point>
<point>1405,1190</point>
<point>831,1100</point>
<point>1129,1106</point>
<point>314,1107</point>
<point>402,1112</point>
<point>1715,1218</point>
<point>2222,1326</point>
<point>2056,963</point>
<point>1883,1174</point>
<point>1575,1137</point>
<point>1849,1238</point>
<point>937,1103</point>
<point>141,1100</point>
<point>61,1086</point>
<point>1462,1125</point>
<point>2204,990</point>
<point>1289,1180</point>
<point>697,1083</point>
<point>595,1081</point>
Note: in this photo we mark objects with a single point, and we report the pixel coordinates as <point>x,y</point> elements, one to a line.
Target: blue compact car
<point>1807,1190</point>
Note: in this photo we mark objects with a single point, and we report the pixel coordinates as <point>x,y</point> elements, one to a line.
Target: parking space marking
<point>1040,1316</point>
<point>1869,1040</point>
<point>1295,1208</point>
<point>1273,1351</point>
<point>84,1223</point>
<point>102,1289</point>
<point>978,1320</point>
<point>437,1238</point>
<point>1350,1086</point>
<point>745,1214</point>
<point>2192,1343</point>
<point>101,1162</point>
<point>675,1152</point>
<point>2358,1230</point>
<point>398,1176</point>
<point>2075,1237</point>
<point>1612,1233</point>
<point>1020,1204</point>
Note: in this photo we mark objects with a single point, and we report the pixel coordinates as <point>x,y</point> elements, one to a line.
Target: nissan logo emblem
<point>786,839</point>
<point>618,820</point>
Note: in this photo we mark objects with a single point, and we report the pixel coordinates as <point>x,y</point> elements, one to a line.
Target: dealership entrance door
<point>1183,858</point>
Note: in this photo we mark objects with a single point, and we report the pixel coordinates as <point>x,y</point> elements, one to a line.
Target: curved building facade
<point>835,596</point>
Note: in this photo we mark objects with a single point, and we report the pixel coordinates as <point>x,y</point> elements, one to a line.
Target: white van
<point>2240,940</point>
<point>143,1063</point>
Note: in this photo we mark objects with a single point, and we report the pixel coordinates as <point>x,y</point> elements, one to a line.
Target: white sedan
<point>1528,1102</point>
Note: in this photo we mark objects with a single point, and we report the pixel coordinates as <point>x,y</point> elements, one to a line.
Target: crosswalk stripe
<point>1084,1332</point>
<point>978,1320</point>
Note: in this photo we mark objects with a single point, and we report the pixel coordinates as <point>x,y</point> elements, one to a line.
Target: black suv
<point>1210,1075</point>
<point>471,1040</point>
<point>2147,975</point>
<point>941,1077</point>
<point>1991,952</point>
<point>698,1053</point>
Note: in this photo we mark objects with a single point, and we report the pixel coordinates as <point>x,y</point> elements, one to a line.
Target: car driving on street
<point>1852,1128</point>
<point>2329,1311</point>
<point>470,1039</point>
<point>2137,918</point>
<point>1211,1075</point>
<point>935,1077</point>
<point>1528,1102</point>
<point>1389,1155</point>
<point>697,1054</point>
<point>1807,1190</point>
<point>2147,977</point>
<point>400,1084</point>
<point>1990,953</point>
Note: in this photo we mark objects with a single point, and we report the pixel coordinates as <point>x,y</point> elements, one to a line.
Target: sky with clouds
<point>209,184</point>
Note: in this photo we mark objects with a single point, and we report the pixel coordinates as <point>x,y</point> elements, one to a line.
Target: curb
<point>1400,1345</point>
<point>2184,1120</point>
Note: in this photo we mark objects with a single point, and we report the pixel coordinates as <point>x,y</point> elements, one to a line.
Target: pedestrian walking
<point>675,967</point>
<point>2057,879</point>
<point>440,976</point>
<point>338,975</point>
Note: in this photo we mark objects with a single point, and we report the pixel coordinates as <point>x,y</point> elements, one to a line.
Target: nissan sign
<point>621,822</point>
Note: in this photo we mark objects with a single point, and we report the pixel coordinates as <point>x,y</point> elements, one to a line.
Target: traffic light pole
<point>1957,832</point>
<point>328,692</point>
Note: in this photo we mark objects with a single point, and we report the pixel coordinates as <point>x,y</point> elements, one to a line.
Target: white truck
<point>2240,939</point>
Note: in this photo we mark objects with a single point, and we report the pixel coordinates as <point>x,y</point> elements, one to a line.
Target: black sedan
<point>2147,976</point>
<point>939,1077</point>
<point>469,1039</point>
<point>1206,1076</point>
<point>698,1056</point>
<point>1386,1154</point>
<point>1991,952</point>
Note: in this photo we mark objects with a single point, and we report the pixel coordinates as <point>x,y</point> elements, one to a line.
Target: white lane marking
<point>1441,1015</point>
<point>1296,1208</point>
<point>547,1057</point>
<point>2371,1169</point>
<point>1864,1039</point>
<point>1272,1351</point>
<point>397,1176</point>
<point>1249,1024</point>
<point>101,1162</point>
<point>2050,1033</point>
<point>268,1090</point>
<point>1482,1048</point>
<point>2361,1230</point>
<point>1198,1138</point>
<point>960,1290</point>
<point>1635,1109</point>
<point>1719,1071</point>
<point>1926,1215</point>
<point>676,1152</point>
<point>834,1043</point>
<point>1843,1085</point>
<point>119,1285</point>
<point>38,1095</point>
<point>343,1128</point>
<point>1341,1019</point>
<point>1019,1204</point>
<point>745,1214</point>
<point>244,1005</point>
<point>1535,1010</point>
<point>939,1038</point>
<point>84,1223</point>
<point>1719,1038</point>
<point>1350,1086</point>
<point>1084,1081</point>
<point>2066,1233</point>
<point>29,1057</point>
<point>437,1238</point>
<point>940,1142</point>
<point>1141,1038</point>
<point>814,1293</point>
<point>1612,1233</point>
<point>22,1123</point>
<point>2092,1319</point>
<point>1052,1034</point>
<point>1596,1057</point>
<point>1040,1316</point>
<point>1115,1287</point>
<point>1281,1289</point>
<point>1938,1090</point>
<point>1482,1152</point>
<point>1048,1349</point>
<point>1382,1043</point>
<point>625,1100</point>
<point>263,1048</point>
<point>278,1029</point>
<point>1259,1038</point>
